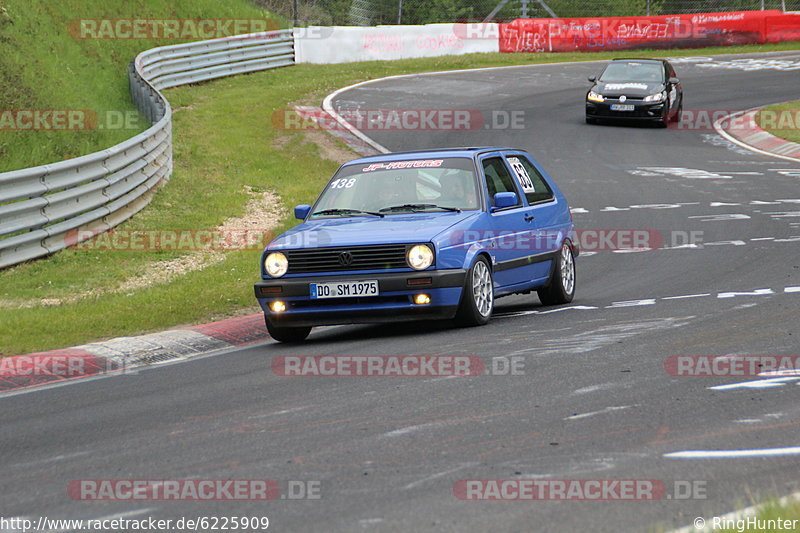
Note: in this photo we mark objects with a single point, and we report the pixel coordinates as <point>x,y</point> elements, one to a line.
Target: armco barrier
<point>665,31</point>
<point>42,208</point>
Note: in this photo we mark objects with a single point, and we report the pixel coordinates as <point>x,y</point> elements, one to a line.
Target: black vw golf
<point>637,89</point>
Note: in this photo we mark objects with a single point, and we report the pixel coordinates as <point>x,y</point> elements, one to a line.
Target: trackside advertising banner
<point>345,44</point>
<point>664,31</point>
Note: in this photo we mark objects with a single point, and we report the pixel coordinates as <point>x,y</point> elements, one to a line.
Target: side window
<point>498,178</point>
<point>533,184</point>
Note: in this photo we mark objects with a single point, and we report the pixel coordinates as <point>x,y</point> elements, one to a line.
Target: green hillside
<point>44,66</point>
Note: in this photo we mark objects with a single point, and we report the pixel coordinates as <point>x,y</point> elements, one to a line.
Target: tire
<point>561,287</point>
<point>477,298</point>
<point>678,112</point>
<point>287,334</point>
<point>590,120</point>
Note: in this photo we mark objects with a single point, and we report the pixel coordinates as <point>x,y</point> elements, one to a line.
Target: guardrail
<point>47,208</point>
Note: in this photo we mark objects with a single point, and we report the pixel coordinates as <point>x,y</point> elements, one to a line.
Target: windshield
<point>393,187</point>
<point>633,71</point>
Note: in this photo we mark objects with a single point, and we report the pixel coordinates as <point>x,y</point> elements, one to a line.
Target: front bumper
<point>641,110</point>
<point>393,303</point>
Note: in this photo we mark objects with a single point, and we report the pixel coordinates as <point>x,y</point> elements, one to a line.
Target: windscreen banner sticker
<point>623,86</point>
<point>393,165</point>
<point>522,175</point>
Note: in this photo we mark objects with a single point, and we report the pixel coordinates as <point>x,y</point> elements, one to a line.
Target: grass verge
<point>225,145</point>
<point>45,65</point>
<point>784,120</point>
<point>774,516</point>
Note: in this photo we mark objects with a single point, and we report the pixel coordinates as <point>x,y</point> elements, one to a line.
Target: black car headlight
<point>594,97</point>
<point>658,97</point>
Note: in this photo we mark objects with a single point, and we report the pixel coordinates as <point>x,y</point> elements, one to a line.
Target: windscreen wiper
<point>417,207</point>
<point>339,211</point>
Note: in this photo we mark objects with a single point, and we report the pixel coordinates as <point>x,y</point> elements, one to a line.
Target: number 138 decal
<point>343,183</point>
<point>522,175</point>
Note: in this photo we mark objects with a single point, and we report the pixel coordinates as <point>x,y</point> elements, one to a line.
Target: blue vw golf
<point>420,235</point>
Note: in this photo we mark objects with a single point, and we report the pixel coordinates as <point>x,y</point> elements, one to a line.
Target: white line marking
<point>632,303</point>
<point>50,459</point>
<point>601,411</point>
<point>726,243</point>
<point>757,292</point>
<point>757,384</point>
<point>763,239</point>
<point>436,476</point>
<point>686,296</point>
<point>578,307</point>
<point>632,250</point>
<point>732,454</point>
<point>594,388</point>
<point>681,247</point>
<point>548,312</point>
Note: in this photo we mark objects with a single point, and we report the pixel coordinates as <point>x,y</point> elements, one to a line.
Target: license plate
<point>344,289</point>
<point>622,107</point>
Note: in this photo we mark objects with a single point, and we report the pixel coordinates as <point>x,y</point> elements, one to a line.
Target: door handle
<point>528,218</point>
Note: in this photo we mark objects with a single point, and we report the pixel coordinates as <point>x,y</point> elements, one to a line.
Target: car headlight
<point>419,257</point>
<point>654,97</point>
<point>594,97</point>
<point>276,264</point>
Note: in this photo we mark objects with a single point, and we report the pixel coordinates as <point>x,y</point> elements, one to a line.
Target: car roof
<point>640,59</point>
<point>470,151</point>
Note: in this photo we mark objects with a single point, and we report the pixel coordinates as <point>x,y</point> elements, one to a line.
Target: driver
<point>456,191</point>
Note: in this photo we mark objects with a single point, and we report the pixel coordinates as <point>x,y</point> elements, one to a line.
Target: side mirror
<point>505,199</point>
<point>592,79</point>
<point>301,211</point>
<point>674,80</point>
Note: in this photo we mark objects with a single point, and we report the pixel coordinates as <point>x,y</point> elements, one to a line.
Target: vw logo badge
<point>623,98</point>
<point>345,258</point>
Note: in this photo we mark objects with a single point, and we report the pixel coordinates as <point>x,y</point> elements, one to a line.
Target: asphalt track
<point>593,402</point>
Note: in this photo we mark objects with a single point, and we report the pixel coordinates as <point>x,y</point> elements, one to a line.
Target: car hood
<point>636,89</point>
<point>354,231</point>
